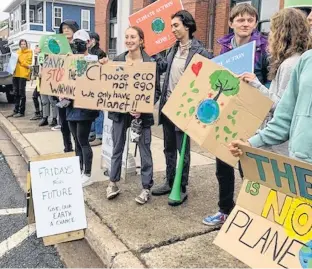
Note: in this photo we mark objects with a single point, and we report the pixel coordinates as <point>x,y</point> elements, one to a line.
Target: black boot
<point>162,189</point>
<point>37,116</point>
<point>43,122</point>
<point>53,122</point>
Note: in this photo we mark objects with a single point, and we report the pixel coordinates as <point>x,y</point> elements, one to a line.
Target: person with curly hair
<point>291,90</point>
<point>289,38</point>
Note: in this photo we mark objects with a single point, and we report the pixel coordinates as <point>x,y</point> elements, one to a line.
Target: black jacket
<point>96,50</point>
<point>164,65</point>
<point>147,118</point>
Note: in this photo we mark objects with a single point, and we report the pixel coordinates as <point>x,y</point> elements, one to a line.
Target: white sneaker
<point>56,128</point>
<point>86,180</point>
<point>143,197</point>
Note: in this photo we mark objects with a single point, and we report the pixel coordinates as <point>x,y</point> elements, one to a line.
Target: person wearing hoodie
<point>20,77</point>
<point>243,20</point>
<point>79,119</point>
<point>96,133</point>
<point>176,61</point>
<point>134,41</point>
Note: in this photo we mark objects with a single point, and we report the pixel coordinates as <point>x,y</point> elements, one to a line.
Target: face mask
<point>80,46</point>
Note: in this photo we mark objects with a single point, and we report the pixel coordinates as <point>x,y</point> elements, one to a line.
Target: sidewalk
<point>124,234</point>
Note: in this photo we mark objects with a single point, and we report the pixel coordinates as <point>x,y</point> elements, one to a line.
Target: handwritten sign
<point>271,225</point>
<point>58,196</point>
<point>155,21</point>
<point>54,44</point>
<point>239,60</point>
<point>115,86</point>
<point>12,63</point>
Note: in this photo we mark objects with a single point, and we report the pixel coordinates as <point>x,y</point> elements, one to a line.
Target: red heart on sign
<point>196,68</point>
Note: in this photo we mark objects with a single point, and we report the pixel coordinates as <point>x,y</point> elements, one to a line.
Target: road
<point>29,252</point>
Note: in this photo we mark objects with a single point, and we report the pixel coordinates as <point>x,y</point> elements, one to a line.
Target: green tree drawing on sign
<point>224,82</point>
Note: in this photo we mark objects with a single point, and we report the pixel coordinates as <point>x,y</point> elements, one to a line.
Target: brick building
<point>111,19</point>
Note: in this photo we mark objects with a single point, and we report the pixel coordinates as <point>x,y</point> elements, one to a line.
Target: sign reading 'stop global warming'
<point>155,21</point>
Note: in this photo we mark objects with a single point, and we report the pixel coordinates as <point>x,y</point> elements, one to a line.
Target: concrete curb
<point>100,238</point>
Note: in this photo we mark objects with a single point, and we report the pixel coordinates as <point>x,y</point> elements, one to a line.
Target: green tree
<point>224,82</point>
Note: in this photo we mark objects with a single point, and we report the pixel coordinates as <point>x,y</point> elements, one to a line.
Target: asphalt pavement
<point>29,252</point>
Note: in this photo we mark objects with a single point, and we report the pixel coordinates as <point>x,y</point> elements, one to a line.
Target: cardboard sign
<point>298,3</point>
<point>214,107</point>
<point>12,63</point>
<point>271,225</point>
<point>239,60</point>
<point>58,196</point>
<point>155,21</point>
<point>54,44</point>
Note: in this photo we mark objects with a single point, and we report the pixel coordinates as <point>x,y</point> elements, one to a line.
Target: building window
<point>85,19</point>
<point>58,16</point>
<point>112,29</point>
<point>39,15</point>
<point>32,15</point>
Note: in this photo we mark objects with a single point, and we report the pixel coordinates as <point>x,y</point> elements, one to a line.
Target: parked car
<point>6,79</point>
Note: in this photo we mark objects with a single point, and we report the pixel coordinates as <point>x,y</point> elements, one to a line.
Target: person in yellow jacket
<point>20,77</point>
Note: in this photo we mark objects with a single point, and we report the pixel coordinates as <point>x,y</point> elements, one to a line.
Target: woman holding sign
<point>134,41</point>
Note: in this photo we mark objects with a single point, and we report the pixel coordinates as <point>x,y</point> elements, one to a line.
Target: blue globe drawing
<point>305,255</point>
<point>208,111</point>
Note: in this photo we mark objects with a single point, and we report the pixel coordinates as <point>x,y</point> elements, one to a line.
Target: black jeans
<point>19,87</point>
<point>81,131</point>
<point>172,143</point>
<point>65,130</point>
<point>226,178</point>
<point>37,100</point>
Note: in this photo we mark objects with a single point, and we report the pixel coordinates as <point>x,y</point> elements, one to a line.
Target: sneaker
<point>37,116</point>
<point>215,220</point>
<point>112,190</point>
<point>43,122</point>
<point>96,142</point>
<point>86,180</point>
<point>143,197</point>
<point>18,115</point>
<point>56,128</point>
<point>53,122</point>
<point>162,189</point>
<point>12,114</point>
<point>177,203</point>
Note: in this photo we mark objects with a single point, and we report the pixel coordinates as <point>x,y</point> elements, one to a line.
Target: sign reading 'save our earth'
<point>58,196</point>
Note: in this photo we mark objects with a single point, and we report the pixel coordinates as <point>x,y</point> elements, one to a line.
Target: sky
<point>3,15</point>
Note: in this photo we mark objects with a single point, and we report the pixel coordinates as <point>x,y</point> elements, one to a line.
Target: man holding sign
<point>243,21</point>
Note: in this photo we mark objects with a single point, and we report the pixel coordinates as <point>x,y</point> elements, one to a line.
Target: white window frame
<point>89,19</point>
<point>54,8</point>
<point>39,12</point>
<point>31,15</point>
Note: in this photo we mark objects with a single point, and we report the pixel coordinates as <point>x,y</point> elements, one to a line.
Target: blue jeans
<point>97,126</point>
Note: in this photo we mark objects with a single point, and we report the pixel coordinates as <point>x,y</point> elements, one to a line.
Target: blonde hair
<point>289,34</point>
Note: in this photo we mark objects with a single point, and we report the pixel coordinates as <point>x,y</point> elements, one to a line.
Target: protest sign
<point>239,60</point>
<point>59,73</point>
<point>271,225</point>
<point>116,86</point>
<point>298,3</point>
<point>54,44</point>
<point>57,196</point>
<point>214,107</point>
<point>12,63</point>
<point>155,21</point>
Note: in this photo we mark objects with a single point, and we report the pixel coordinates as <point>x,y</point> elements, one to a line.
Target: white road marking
<point>16,239</point>
<point>12,211</point>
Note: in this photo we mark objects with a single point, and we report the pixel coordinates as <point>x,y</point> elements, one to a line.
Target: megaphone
<point>175,194</point>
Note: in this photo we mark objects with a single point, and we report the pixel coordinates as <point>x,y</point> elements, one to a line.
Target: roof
<point>14,3</point>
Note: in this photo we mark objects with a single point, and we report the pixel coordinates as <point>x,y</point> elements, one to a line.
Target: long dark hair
<point>140,33</point>
<point>188,21</point>
<point>23,40</point>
